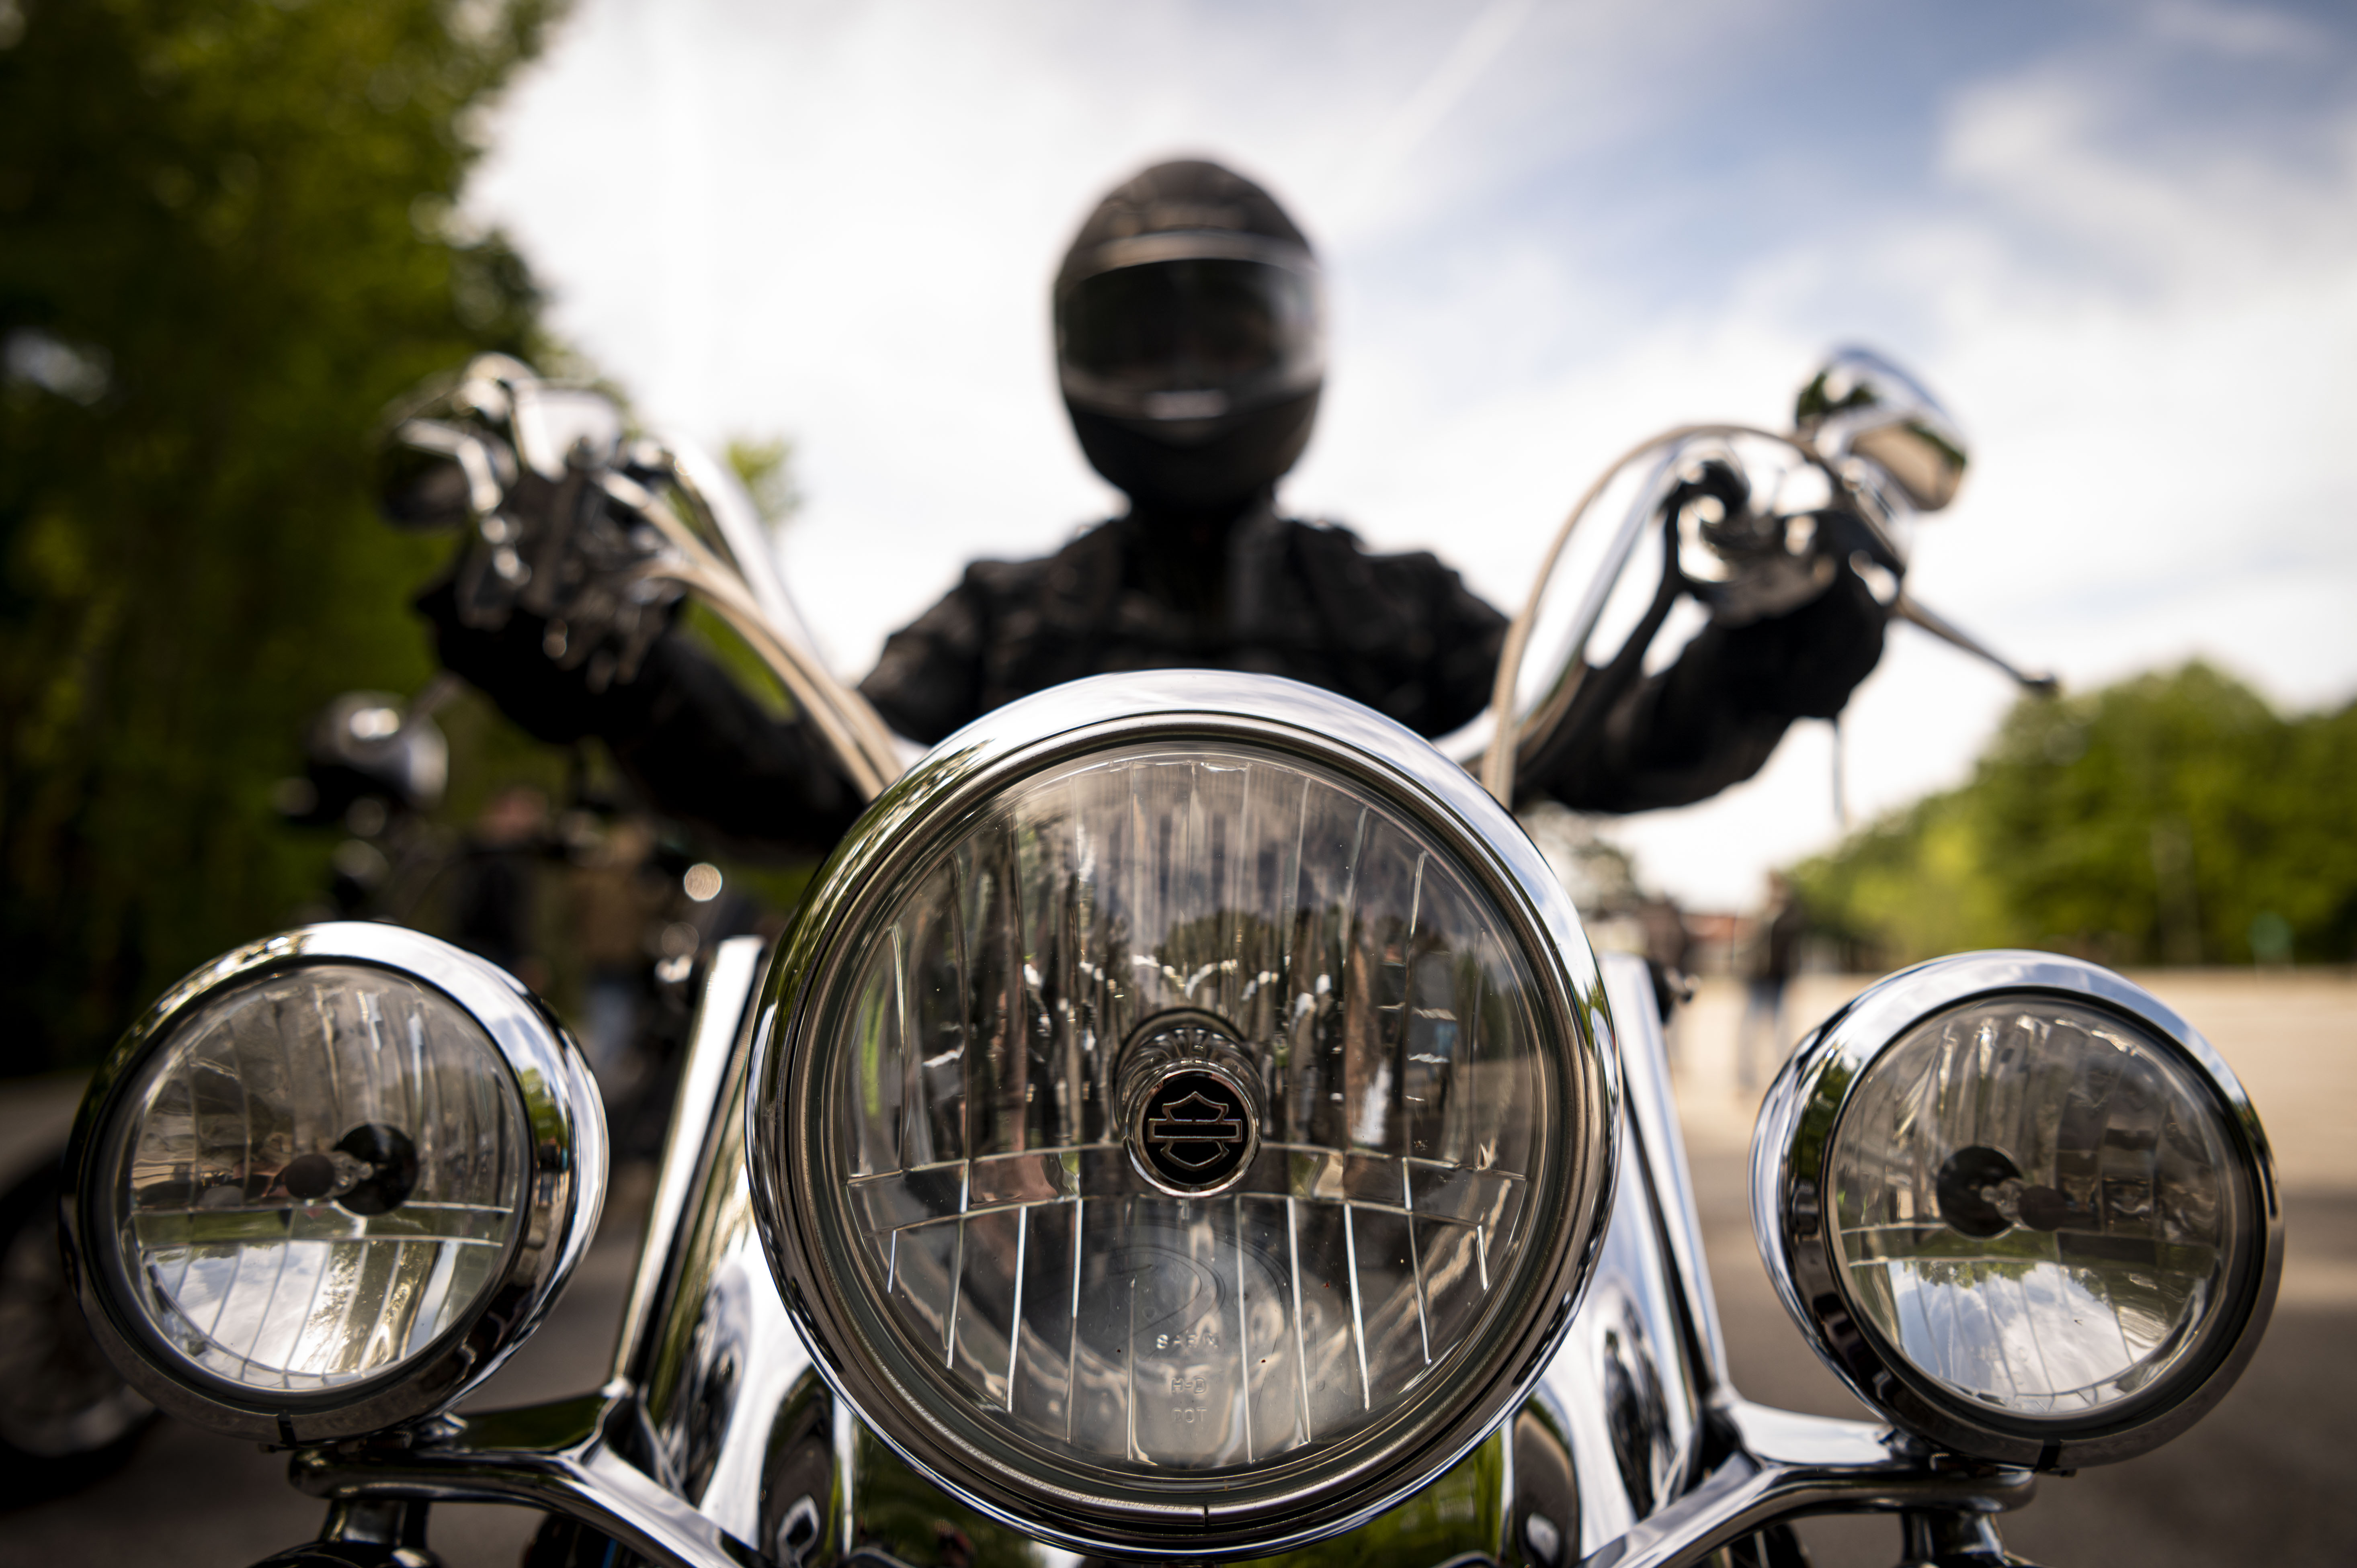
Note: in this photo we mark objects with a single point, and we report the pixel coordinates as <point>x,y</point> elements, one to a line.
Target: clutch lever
<point>1906,608</point>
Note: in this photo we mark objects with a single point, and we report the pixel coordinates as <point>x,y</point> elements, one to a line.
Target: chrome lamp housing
<point>2021,1207</point>
<point>1181,1119</point>
<point>330,1181</point>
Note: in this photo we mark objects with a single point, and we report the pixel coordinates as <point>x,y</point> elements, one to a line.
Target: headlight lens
<point>320,1174</point>
<point>2047,1217</point>
<point>1025,1211</point>
<point>2036,1205</point>
<point>330,1181</point>
<point>1191,1113</point>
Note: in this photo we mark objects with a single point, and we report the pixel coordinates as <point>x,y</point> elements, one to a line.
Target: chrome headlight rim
<point>1270,1510</point>
<point>565,1182</point>
<point>1799,1127</point>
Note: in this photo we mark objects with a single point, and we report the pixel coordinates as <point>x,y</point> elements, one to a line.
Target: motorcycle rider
<point>1190,338</point>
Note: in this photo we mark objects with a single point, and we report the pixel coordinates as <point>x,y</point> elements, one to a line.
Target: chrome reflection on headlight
<point>328,1182</point>
<point>2022,1207</point>
<point>1181,1114</point>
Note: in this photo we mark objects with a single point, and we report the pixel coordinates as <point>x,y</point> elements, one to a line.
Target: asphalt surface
<point>2266,1478</point>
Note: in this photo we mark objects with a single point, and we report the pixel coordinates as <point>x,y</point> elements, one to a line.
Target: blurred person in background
<point>494,899</point>
<point>1767,961</point>
<point>618,894</point>
<point>1191,344</point>
<point>1668,949</point>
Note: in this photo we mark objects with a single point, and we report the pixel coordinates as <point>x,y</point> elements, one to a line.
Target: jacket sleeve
<point>692,740</point>
<point>929,682</point>
<point>1472,637</point>
<point>1408,637</point>
<point>1713,716</point>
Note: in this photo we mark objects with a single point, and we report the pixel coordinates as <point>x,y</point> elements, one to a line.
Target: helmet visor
<point>1189,337</point>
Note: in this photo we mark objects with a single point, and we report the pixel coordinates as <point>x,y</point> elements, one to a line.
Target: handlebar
<point>1865,493</point>
<point>601,533</point>
<point>592,533</point>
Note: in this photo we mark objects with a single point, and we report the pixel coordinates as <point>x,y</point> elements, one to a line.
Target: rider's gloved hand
<point>509,664</point>
<point>1805,664</point>
<point>685,733</point>
<point>1714,717</point>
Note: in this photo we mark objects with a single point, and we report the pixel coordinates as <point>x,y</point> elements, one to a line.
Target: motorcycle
<point>1184,1121</point>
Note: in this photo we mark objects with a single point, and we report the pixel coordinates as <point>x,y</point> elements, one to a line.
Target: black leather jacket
<point>1400,633</point>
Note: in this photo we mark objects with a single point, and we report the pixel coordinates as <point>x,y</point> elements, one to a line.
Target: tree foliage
<point>2172,818</point>
<point>226,242</point>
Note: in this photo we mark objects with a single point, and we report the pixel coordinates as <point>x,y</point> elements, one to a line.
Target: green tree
<point>2171,818</point>
<point>1907,886</point>
<point>225,244</point>
<point>765,466</point>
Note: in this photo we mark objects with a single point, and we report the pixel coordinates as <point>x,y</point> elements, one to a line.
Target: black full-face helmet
<point>1191,338</point>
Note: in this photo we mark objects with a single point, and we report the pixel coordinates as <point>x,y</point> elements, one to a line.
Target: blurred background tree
<point>765,464</point>
<point>2173,818</point>
<point>226,241</point>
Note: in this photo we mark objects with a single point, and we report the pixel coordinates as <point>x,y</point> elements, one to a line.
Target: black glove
<point>1805,664</point>
<point>692,740</point>
<point>1713,718</point>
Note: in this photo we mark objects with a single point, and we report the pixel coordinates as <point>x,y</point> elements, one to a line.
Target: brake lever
<point>1906,608</point>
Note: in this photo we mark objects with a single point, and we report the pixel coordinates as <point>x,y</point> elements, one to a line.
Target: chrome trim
<point>1623,1385</point>
<point>1860,408</point>
<point>566,1186</point>
<point>560,1458</point>
<point>1644,506</point>
<point>1274,1511</point>
<point>714,1368</point>
<point>711,1044</point>
<point>563,1458</point>
<point>554,1457</point>
<point>1660,1153</point>
<point>1786,1466</point>
<point>1794,1136</point>
<point>712,487</point>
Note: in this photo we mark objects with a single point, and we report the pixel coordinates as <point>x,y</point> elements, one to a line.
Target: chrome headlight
<point>1181,1114</point>
<point>2023,1208</point>
<point>328,1183</point>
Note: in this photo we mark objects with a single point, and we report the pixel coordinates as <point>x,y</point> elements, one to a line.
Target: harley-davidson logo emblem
<point>1195,1130</point>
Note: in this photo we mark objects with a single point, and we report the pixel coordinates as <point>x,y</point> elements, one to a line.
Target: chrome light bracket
<point>564,1186</point>
<point>1220,1514</point>
<point>1793,1146</point>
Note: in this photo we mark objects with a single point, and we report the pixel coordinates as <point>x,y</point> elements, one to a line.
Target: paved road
<point>2265,1479</point>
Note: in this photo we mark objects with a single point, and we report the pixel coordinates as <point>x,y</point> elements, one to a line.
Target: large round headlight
<point>2025,1209</point>
<point>329,1181</point>
<point>1181,1114</point>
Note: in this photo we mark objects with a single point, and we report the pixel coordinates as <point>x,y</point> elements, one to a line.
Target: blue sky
<point>2120,241</point>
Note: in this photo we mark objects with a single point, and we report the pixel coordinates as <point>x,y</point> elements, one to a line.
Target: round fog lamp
<point>2042,1200</point>
<point>320,1174</point>
<point>305,1179</point>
